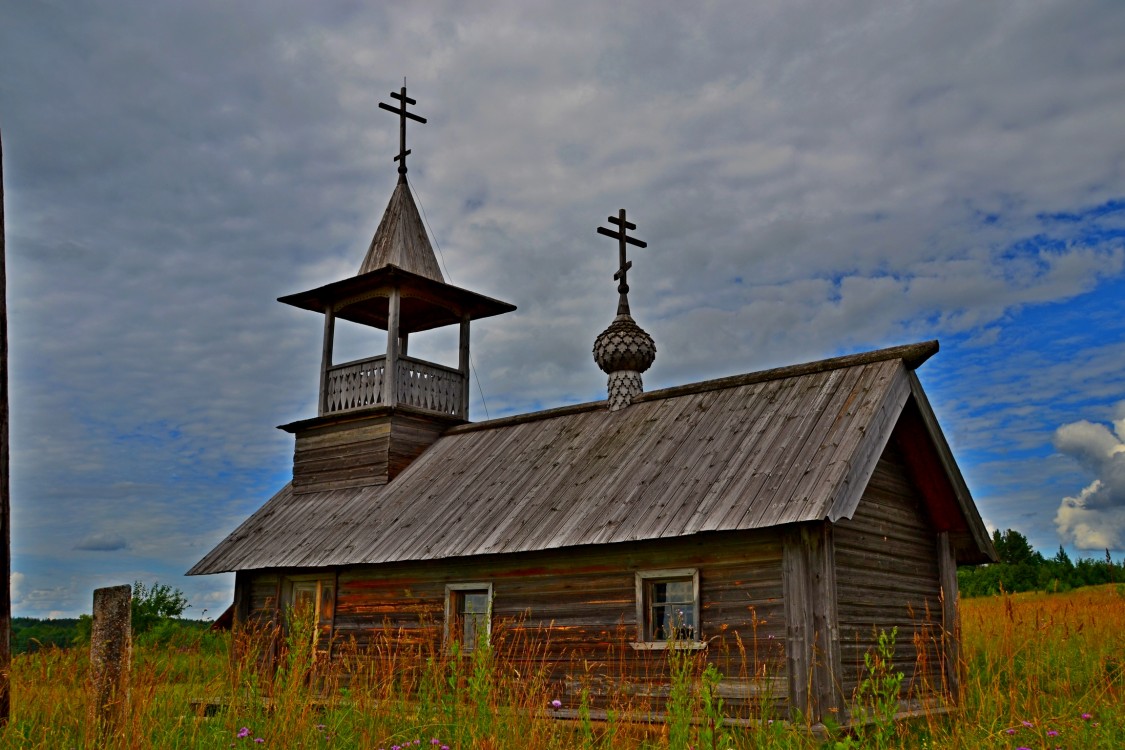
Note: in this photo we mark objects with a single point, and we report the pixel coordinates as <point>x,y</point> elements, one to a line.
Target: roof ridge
<point>912,356</point>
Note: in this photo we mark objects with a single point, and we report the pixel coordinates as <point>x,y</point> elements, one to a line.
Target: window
<point>668,609</point>
<point>310,594</point>
<point>468,613</point>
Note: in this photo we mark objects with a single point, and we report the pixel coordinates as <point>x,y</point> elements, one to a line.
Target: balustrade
<point>359,385</point>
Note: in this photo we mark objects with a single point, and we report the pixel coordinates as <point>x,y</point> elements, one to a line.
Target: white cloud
<point>15,584</point>
<point>1095,517</point>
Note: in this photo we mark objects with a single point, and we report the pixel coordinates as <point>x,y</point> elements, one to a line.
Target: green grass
<point>1040,671</point>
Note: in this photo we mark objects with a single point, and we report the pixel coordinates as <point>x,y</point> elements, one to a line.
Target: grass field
<point>1042,671</point>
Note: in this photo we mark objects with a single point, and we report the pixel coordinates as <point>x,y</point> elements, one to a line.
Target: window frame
<point>453,594</point>
<point>323,599</point>
<point>644,579</point>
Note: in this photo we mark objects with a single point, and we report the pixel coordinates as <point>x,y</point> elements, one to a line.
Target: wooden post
<point>798,648</point>
<point>812,623</point>
<point>463,366</point>
<point>950,618</point>
<point>828,663</point>
<point>111,656</point>
<point>5,503</point>
<point>390,393</point>
<point>326,356</point>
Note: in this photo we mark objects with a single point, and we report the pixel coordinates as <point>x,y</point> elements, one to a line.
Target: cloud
<point>102,542</point>
<point>812,179</point>
<point>1095,517</point>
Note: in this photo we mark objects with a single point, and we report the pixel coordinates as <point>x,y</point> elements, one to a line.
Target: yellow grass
<point>1040,671</point>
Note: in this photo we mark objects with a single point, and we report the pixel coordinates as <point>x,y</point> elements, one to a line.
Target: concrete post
<point>111,655</point>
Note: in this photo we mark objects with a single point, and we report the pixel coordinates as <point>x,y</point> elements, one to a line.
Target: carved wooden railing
<point>429,386</point>
<point>359,385</point>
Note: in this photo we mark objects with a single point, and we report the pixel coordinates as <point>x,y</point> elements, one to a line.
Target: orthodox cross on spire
<point>622,237</point>
<point>402,115</point>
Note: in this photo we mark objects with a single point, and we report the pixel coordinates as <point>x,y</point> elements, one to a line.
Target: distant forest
<point>30,634</point>
<point>155,617</point>
<point>1021,568</point>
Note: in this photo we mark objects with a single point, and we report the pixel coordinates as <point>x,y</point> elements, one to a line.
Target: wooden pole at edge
<point>5,514</point>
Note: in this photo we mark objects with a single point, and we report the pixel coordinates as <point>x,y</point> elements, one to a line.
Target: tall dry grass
<point>1040,671</point>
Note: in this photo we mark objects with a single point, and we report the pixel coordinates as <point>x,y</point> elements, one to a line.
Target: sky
<point>812,179</point>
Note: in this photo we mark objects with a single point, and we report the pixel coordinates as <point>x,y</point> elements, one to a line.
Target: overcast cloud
<point>813,178</point>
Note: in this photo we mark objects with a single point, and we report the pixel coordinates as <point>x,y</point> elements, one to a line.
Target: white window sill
<point>665,645</point>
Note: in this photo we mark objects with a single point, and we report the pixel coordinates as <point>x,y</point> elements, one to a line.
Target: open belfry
<point>378,414</point>
<point>792,514</point>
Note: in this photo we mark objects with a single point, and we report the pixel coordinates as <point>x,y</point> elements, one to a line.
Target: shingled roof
<point>754,451</point>
<point>401,239</point>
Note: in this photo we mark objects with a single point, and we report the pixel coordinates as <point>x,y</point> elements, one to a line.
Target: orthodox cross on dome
<point>622,237</point>
<point>402,115</point>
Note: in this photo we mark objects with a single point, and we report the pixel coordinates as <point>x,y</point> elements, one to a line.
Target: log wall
<point>361,452</point>
<point>887,576</point>
<point>573,613</point>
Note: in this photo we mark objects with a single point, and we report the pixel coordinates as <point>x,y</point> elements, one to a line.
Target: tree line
<point>1022,568</point>
<point>156,612</point>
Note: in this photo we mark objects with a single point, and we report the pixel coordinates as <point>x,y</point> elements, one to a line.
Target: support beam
<point>463,366</point>
<point>811,623</point>
<point>390,392</point>
<point>326,357</point>
<point>950,617</point>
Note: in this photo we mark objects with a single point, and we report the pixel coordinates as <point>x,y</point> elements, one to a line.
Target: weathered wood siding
<point>573,612</point>
<point>360,452</point>
<point>887,576</point>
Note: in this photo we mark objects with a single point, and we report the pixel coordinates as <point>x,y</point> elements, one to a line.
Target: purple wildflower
<point>259,740</point>
<point>556,703</point>
<point>1087,717</point>
<point>1027,724</point>
<point>244,732</point>
<point>1010,731</point>
<point>1053,733</point>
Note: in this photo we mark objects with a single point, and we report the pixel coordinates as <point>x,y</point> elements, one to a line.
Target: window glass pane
<point>327,602</point>
<point>471,608</point>
<point>474,627</point>
<point>672,592</point>
<point>671,609</point>
<point>474,602</point>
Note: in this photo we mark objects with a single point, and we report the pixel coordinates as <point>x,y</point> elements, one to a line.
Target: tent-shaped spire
<point>401,239</point>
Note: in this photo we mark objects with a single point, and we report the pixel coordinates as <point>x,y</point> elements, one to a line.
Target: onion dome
<point>624,350</point>
<point>624,346</point>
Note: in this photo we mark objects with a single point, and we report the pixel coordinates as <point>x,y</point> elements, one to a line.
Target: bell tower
<point>375,415</point>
